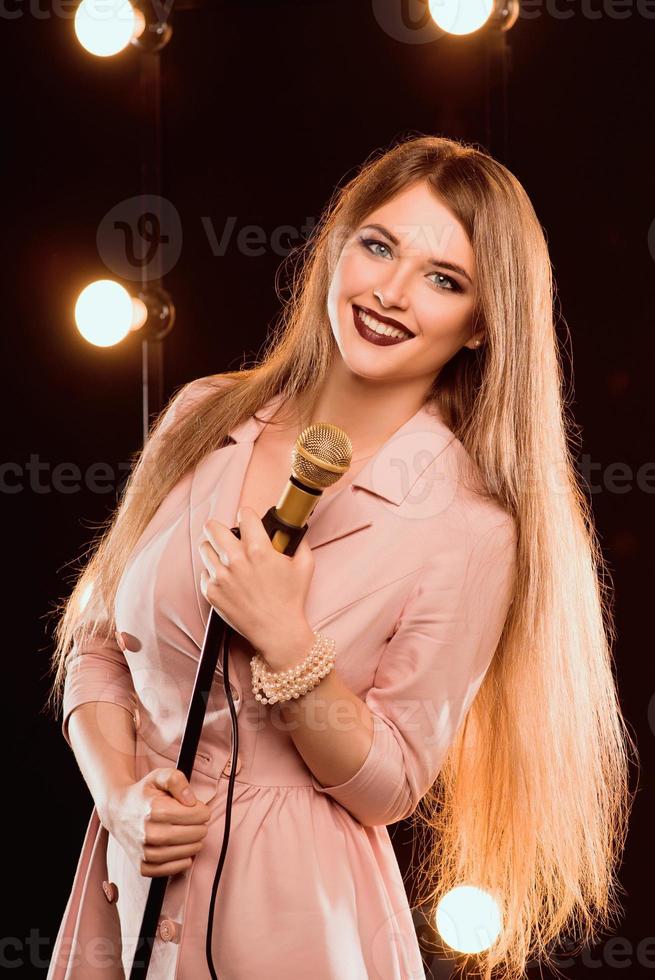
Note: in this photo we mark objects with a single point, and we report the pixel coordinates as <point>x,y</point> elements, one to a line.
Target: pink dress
<point>413,578</point>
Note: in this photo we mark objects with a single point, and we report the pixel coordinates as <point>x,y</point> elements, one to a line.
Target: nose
<point>392,293</point>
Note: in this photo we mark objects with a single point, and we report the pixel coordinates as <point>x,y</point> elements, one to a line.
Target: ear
<point>475,340</point>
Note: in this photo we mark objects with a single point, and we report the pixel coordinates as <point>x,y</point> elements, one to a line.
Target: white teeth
<point>382,328</point>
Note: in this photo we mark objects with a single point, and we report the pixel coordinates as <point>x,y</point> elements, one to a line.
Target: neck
<point>368,412</point>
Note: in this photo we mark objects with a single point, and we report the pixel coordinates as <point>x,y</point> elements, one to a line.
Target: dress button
<point>169,931</point>
<point>110,890</point>
<point>228,765</point>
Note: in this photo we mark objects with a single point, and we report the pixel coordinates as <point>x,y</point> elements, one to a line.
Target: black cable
<point>228,805</point>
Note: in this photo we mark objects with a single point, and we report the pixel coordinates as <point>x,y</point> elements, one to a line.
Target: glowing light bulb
<point>139,313</point>
<point>468,919</point>
<point>104,313</point>
<point>105,27</point>
<point>460,16</point>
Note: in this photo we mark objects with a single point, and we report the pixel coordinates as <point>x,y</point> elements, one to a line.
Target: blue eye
<point>454,286</point>
<point>372,241</point>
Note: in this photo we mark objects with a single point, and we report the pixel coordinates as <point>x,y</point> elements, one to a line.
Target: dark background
<point>267,107</point>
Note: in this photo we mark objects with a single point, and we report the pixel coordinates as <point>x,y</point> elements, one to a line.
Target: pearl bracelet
<point>287,684</point>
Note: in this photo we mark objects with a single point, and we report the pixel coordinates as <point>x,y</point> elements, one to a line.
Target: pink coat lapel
<point>389,500</point>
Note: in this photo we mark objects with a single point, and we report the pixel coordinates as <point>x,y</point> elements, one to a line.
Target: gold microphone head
<point>321,455</point>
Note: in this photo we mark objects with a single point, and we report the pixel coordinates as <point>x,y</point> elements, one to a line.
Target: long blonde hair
<point>532,802</point>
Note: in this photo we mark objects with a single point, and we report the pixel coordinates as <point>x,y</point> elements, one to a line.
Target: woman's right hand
<point>155,825</point>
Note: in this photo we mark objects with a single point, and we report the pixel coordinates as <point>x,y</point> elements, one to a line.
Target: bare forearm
<point>103,740</point>
<point>331,727</point>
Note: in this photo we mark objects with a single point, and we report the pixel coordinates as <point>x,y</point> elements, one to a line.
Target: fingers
<point>218,546</point>
<point>170,849</point>
<point>183,808</point>
<point>175,783</point>
<point>163,834</point>
<point>211,558</point>
<point>164,870</point>
<point>165,855</point>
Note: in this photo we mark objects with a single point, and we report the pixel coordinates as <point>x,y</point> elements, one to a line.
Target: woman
<point>455,569</point>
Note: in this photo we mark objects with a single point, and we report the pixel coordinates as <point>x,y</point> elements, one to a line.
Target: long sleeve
<point>99,671</point>
<point>429,674</point>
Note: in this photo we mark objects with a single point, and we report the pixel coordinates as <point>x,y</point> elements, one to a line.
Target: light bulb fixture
<point>462,17</point>
<point>155,35</point>
<point>106,27</point>
<point>504,14</point>
<point>468,919</point>
<point>105,313</point>
<point>159,312</point>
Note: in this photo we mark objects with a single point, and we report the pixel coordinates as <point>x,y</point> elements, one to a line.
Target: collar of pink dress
<point>398,464</point>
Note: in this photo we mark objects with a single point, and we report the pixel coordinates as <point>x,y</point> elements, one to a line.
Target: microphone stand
<point>217,637</point>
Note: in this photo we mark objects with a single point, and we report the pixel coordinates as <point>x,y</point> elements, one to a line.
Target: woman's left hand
<point>261,593</point>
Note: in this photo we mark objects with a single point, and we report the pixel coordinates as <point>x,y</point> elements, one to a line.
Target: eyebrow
<point>442,262</point>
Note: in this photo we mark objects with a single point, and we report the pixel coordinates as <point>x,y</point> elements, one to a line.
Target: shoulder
<point>191,395</point>
<point>185,399</point>
<point>456,493</point>
<point>200,388</point>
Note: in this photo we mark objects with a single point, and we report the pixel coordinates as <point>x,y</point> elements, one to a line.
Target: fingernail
<point>188,796</point>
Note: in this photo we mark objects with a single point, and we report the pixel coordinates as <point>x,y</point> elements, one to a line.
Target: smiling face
<point>420,272</point>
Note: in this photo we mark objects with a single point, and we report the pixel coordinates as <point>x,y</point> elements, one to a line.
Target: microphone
<point>321,455</point>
